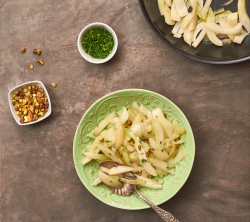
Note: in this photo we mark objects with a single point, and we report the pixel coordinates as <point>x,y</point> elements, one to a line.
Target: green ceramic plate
<point>102,108</point>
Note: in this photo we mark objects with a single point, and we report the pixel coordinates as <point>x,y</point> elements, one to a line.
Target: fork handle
<point>166,216</point>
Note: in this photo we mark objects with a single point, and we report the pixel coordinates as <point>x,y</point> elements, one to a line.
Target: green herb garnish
<point>169,168</point>
<point>144,161</point>
<point>142,136</point>
<point>114,125</point>
<point>98,42</point>
<point>107,127</point>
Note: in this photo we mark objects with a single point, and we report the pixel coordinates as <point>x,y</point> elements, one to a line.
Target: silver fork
<point>127,189</point>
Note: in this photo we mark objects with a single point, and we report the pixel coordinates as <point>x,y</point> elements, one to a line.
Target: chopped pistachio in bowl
<point>30,110</point>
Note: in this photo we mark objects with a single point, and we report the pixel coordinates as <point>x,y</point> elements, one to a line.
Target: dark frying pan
<point>206,51</point>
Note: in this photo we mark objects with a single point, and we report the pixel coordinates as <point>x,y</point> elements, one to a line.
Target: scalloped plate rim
<point>127,90</point>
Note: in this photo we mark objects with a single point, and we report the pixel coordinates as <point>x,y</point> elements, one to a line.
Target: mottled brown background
<point>39,182</point>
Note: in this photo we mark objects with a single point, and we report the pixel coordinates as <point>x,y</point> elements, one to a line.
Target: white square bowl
<point>24,85</point>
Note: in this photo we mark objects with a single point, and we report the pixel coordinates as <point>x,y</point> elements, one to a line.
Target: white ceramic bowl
<point>24,85</point>
<point>87,56</point>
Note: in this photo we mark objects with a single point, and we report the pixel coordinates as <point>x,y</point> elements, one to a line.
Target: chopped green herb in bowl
<point>97,43</point>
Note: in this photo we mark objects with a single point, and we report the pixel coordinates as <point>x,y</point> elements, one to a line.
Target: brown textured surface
<point>39,182</point>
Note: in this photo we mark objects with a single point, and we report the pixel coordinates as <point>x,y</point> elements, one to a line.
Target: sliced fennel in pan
<point>203,24</point>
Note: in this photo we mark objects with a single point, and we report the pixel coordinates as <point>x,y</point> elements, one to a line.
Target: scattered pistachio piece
<point>31,66</point>
<point>40,62</point>
<point>23,50</point>
<point>38,52</point>
<point>101,140</point>
<point>53,84</point>
<point>35,51</point>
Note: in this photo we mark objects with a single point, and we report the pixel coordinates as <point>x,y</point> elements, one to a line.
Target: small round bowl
<point>87,56</point>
